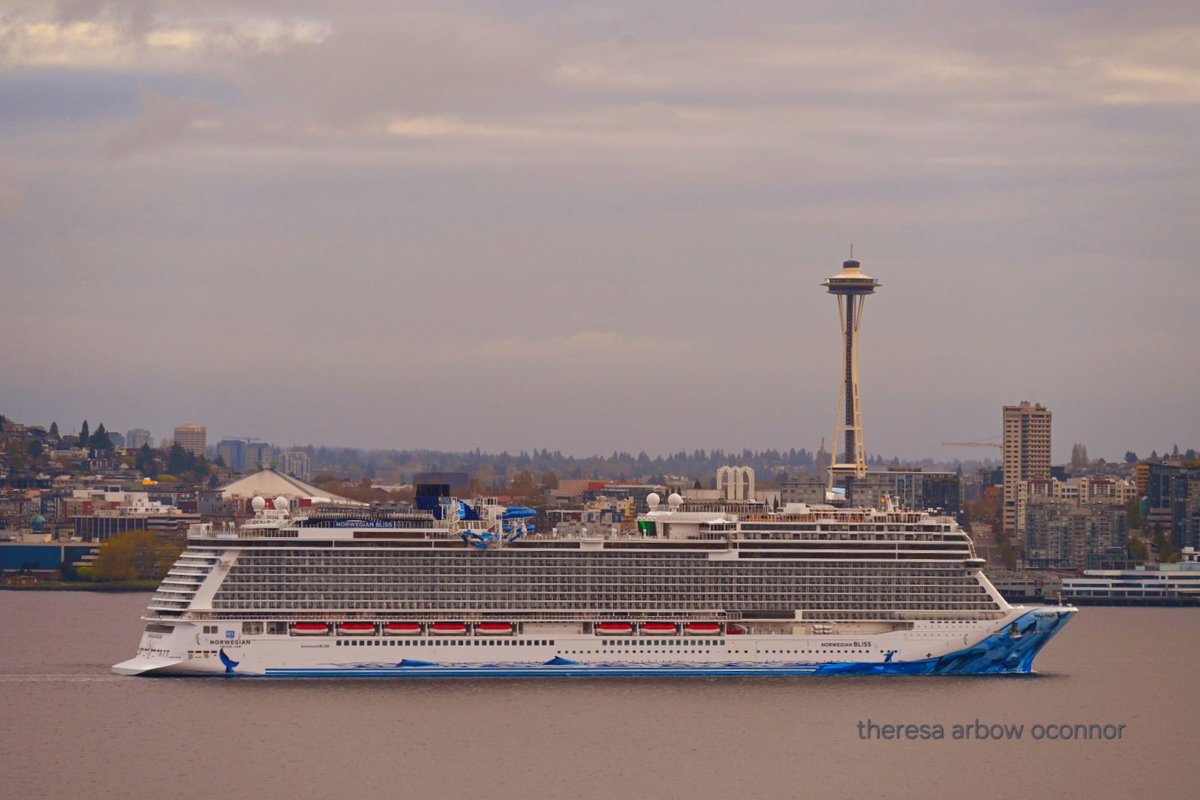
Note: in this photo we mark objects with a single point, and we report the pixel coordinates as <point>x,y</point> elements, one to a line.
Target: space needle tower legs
<point>851,287</point>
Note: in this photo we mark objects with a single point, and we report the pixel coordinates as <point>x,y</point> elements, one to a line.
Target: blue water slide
<point>518,512</point>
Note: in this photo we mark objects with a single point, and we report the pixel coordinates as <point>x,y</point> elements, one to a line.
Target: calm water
<point>68,728</point>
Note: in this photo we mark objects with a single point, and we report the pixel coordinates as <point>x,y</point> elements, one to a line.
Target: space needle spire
<point>851,286</point>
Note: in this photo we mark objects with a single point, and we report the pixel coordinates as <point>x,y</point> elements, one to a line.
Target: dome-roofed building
<point>272,483</point>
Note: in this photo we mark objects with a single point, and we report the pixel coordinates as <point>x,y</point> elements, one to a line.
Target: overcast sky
<point>600,226</point>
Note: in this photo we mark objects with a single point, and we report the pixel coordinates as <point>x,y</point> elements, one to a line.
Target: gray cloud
<point>594,228</point>
<point>164,120</point>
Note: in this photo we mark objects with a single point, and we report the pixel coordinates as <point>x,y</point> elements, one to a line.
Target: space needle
<point>851,286</point>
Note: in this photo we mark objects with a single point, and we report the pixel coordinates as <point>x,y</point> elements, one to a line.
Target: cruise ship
<point>467,590</point>
<point>456,589</point>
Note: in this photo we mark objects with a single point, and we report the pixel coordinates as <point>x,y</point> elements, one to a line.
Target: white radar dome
<point>281,503</point>
<point>258,504</point>
<point>674,501</point>
<point>653,499</point>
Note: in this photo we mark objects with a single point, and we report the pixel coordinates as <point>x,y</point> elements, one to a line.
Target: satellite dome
<point>653,499</point>
<point>258,504</point>
<point>674,501</point>
<point>281,503</point>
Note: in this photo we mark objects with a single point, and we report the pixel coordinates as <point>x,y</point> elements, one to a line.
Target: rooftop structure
<point>271,483</point>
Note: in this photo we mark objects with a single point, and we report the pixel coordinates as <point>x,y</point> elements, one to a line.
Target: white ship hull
<point>1006,645</point>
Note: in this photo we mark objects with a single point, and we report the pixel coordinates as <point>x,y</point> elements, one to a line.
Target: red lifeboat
<point>310,629</point>
<point>494,628</point>
<point>356,629</point>
<point>402,629</point>
<point>659,628</point>
<point>614,628</point>
<point>448,629</point>
<point>702,629</point>
<point>735,630</point>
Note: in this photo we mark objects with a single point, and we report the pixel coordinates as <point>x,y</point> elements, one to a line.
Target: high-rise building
<point>296,463</point>
<point>192,437</point>
<point>1026,458</point>
<point>233,453</point>
<point>136,437</point>
<point>258,455</point>
<point>1061,534</point>
<point>244,455</point>
<point>1173,499</point>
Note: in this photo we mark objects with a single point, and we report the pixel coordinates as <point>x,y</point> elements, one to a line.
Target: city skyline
<point>599,229</point>
<point>987,455</point>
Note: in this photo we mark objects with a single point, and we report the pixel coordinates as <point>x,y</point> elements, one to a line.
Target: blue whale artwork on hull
<point>229,663</point>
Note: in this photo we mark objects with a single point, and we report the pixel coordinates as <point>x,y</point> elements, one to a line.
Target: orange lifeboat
<point>448,629</point>
<point>310,629</point>
<point>356,629</point>
<point>402,629</point>
<point>702,629</point>
<point>614,628</point>
<point>494,628</point>
<point>659,628</point>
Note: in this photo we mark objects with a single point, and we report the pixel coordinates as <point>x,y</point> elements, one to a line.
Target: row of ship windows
<point>754,567</point>
<point>573,616</point>
<point>606,601</point>
<point>863,531</point>
<point>588,560</point>
<point>687,576</point>
<point>616,590</point>
<point>551,579</point>
<point>550,592</point>
<point>441,642</point>
<point>625,607</point>
<point>541,559</point>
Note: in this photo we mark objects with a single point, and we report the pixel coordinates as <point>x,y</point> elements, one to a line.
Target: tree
<point>84,435</point>
<point>54,431</point>
<point>134,555</point>
<point>1138,551</point>
<point>35,449</point>
<point>1130,457</point>
<point>180,460</point>
<point>100,440</point>
<point>1079,455</point>
<point>146,463</point>
<point>1133,513</point>
<point>522,483</point>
